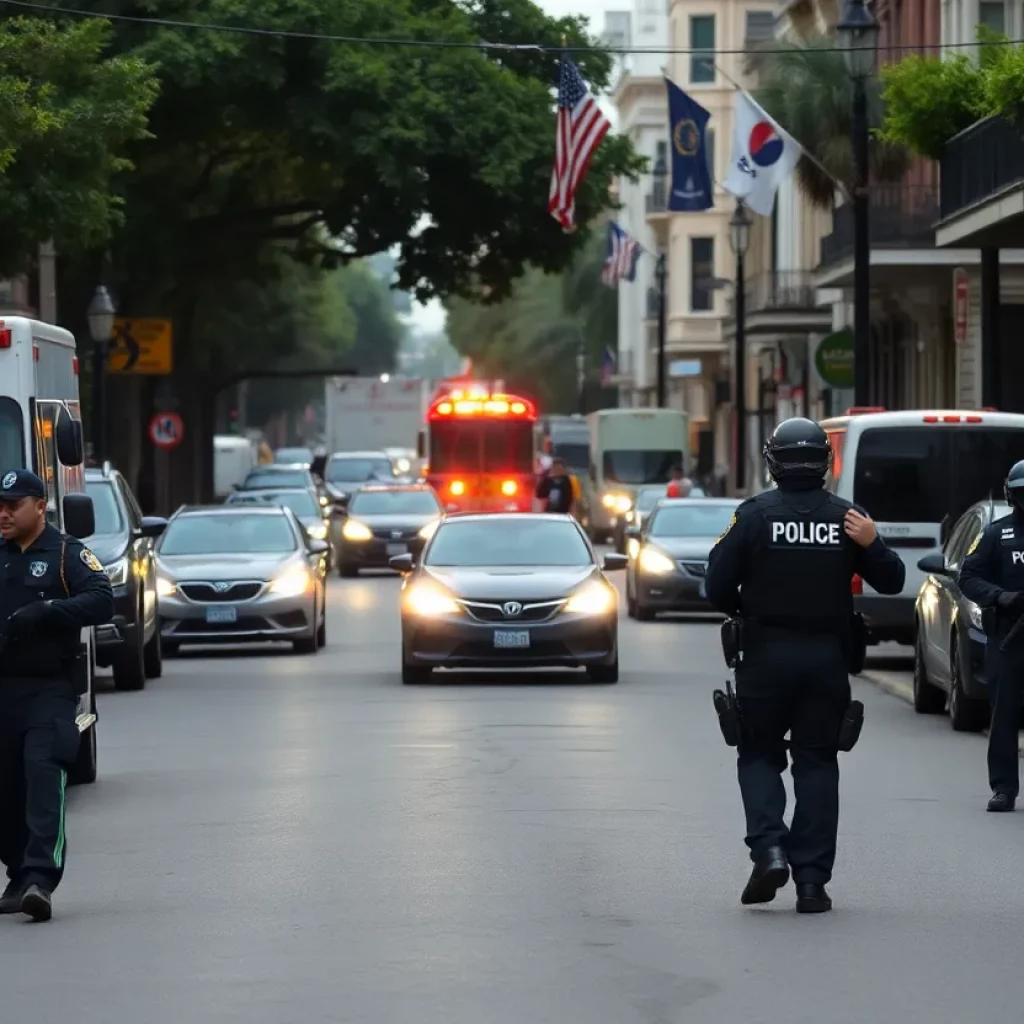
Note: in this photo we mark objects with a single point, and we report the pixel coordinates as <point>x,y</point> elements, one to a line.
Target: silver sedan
<point>231,574</point>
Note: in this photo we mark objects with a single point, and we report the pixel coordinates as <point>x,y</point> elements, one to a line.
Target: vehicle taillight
<point>74,365</point>
<point>509,488</point>
<point>5,339</point>
<point>856,586</point>
<point>35,353</point>
<point>457,488</point>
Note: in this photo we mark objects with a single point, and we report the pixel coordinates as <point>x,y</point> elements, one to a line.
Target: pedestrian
<point>783,569</point>
<point>51,588</point>
<point>992,576</point>
<point>678,485</point>
<point>555,489</point>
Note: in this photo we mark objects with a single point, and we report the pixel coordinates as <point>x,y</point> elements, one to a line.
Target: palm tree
<point>807,89</point>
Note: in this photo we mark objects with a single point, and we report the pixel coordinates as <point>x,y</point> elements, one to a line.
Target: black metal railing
<point>778,289</point>
<point>901,217</point>
<point>653,303</point>
<point>979,162</point>
<point>656,201</point>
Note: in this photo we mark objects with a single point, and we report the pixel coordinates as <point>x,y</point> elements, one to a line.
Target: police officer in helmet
<point>783,568</point>
<point>992,576</point>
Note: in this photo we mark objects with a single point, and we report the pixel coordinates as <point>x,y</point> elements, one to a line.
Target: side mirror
<point>68,439</point>
<point>934,565</point>
<point>79,515</point>
<point>152,526</point>
<point>632,531</point>
<point>613,562</point>
<point>319,547</point>
<point>402,563</point>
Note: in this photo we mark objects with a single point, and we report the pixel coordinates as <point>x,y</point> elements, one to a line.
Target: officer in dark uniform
<point>51,588</point>
<point>992,576</point>
<point>783,568</point>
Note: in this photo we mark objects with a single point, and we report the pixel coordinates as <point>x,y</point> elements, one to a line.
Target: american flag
<point>623,252</point>
<point>581,127</point>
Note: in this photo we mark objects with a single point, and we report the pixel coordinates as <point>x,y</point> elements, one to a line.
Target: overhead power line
<point>443,44</point>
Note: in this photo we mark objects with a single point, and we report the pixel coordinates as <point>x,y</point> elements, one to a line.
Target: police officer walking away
<point>992,576</point>
<point>783,569</point>
<point>51,588</point>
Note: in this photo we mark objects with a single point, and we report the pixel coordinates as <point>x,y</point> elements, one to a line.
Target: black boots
<point>770,873</point>
<point>36,903</point>
<point>1001,803</point>
<point>10,901</point>
<point>812,899</point>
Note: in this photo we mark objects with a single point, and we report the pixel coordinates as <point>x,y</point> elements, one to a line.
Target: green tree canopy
<point>66,116</point>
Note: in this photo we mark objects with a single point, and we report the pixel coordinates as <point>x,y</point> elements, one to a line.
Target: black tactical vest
<point>802,563</point>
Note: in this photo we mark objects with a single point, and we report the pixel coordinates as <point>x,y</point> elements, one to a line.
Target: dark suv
<point>123,542</point>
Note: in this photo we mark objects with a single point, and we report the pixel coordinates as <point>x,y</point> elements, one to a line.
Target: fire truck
<point>479,447</point>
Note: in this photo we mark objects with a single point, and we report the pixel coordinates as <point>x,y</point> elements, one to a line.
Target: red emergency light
<point>953,419</point>
<point>473,403</point>
<point>5,338</point>
<point>856,586</point>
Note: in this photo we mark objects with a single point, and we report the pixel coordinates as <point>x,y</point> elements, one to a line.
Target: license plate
<point>511,638</point>
<point>703,591</point>
<point>397,549</point>
<point>229,614</point>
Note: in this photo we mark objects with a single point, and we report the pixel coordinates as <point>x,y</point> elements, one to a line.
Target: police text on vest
<point>1018,558</point>
<point>805,533</point>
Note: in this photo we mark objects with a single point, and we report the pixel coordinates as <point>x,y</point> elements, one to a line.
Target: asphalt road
<point>278,839</point>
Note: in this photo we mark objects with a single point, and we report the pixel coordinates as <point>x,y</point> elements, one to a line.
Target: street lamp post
<point>101,315</point>
<point>858,36</point>
<point>581,374</point>
<point>660,182</point>
<point>739,240</point>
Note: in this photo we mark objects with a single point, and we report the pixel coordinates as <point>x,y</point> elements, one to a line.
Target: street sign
<point>166,430</point>
<point>834,359</point>
<point>961,304</point>
<point>142,346</point>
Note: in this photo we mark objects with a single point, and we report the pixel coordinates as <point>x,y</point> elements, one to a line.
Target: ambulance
<point>41,430</point>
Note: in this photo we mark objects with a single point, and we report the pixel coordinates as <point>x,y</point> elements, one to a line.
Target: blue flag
<point>691,180</point>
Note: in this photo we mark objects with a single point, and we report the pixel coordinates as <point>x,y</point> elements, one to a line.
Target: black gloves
<point>1011,601</point>
<point>29,618</point>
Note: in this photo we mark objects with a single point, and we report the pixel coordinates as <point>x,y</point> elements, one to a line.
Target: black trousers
<point>38,742</point>
<point>1006,673</point>
<point>797,683</point>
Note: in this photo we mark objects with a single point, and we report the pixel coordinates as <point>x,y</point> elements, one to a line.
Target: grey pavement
<point>278,839</point>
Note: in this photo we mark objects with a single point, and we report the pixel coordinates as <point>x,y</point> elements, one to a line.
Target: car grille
<point>252,624</point>
<point>694,568</point>
<point>388,533</point>
<point>209,593</point>
<point>532,611</point>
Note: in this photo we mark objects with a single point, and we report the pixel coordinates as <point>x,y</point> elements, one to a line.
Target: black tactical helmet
<point>799,447</point>
<point>1013,489</point>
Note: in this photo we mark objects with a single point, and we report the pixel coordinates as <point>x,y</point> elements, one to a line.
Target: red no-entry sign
<point>166,430</point>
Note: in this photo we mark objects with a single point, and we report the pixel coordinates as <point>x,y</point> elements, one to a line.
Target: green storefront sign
<point>834,359</point>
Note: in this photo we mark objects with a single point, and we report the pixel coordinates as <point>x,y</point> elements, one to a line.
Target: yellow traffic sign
<point>142,346</point>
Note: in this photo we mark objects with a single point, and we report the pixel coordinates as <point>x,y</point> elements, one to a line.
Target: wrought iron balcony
<point>778,290</point>
<point>979,162</point>
<point>656,201</point>
<point>901,217</point>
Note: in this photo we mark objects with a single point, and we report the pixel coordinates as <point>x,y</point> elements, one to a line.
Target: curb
<point>905,692</point>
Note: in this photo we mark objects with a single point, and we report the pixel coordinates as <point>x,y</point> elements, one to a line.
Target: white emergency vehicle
<point>41,430</point>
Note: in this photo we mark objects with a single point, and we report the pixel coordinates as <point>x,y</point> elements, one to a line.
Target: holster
<point>732,641</point>
<point>853,722</point>
<point>856,644</point>
<point>728,710</point>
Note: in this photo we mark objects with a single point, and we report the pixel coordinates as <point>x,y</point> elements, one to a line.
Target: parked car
<point>124,542</point>
<point>950,642</point>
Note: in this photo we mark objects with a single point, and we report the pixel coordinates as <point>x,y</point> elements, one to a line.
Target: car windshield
<point>355,470</point>
<point>394,503</point>
<point>505,541</point>
<point>294,455</point>
<point>276,478</point>
<point>640,467</point>
<point>649,497</point>
<point>300,502</point>
<point>227,534</point>
<point>105,507</point>
<point>703,520</point>
<point>12,447</point>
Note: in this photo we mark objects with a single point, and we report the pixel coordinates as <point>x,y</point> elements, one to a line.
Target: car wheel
<point>347,571</point>
<point>83,771</point>
<point>965,713</point>
<point>153,655</point>
<point>169,648</point>
<point>129,665</point>
<point>643,613</point>
<point>928,699</point>
<point>321,633</point>
<point>604,673</point>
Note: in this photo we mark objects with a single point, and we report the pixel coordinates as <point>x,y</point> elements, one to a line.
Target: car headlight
<point>318,531</point>
<point>655,562</point>
<point>117,573</point>
<point>593,599</point>
<point>292,584</point>
<point>427,600</point>
<point>403,465</point>
<point>324,501</point>
<point>355,530</point>
<point>164,587</point>
<point>617,503</point>
<point>428,531</point>
<point>974,614</point>
<point>632,547</point>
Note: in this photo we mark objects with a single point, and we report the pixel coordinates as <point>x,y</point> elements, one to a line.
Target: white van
<point>233,457</point>
<point>916,473</point>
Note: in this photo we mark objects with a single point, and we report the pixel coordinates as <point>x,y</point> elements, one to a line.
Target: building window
<point>702,273</point>
<point>760,26</point>
<point>992,14</point>
<point>702,37</point>
<point>709,151</point>
<point>661,152</point>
